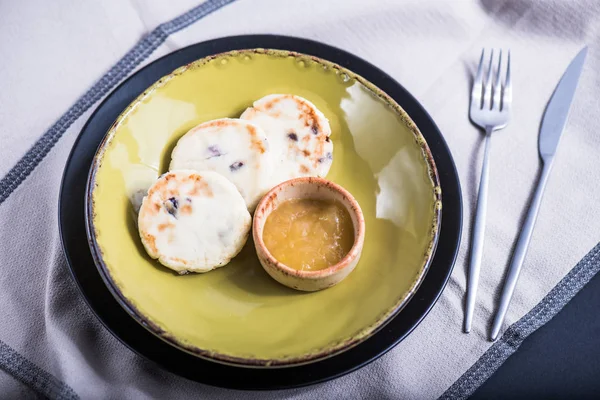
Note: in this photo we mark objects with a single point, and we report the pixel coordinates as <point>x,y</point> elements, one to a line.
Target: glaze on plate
<point>239,314</point>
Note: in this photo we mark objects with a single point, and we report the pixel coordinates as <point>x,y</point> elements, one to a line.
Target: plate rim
<point>324,366</point>
<point>314,355</point>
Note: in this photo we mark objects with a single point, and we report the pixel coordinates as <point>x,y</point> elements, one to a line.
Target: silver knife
<point>553,124</point>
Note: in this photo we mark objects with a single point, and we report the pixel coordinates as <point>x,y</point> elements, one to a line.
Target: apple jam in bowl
<point>308,233</point>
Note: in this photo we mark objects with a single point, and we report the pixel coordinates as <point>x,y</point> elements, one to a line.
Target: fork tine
<point>507,95</point>
<point>487,88</point>
<point>478,82</point>
<point>497,85</point>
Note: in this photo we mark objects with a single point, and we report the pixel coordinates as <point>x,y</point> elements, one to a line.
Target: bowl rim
<point>317,354</point>
<point>359,229</point>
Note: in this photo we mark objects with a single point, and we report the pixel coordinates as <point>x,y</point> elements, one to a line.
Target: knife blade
<point>553,124</point>
<point>558,108</point>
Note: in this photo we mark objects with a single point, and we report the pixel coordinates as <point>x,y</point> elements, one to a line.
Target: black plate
<point>140,340</point>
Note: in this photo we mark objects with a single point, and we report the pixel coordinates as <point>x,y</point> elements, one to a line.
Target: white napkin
<point>52,52</point>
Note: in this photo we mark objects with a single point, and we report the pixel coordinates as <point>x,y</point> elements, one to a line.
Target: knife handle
<point>516,263</point>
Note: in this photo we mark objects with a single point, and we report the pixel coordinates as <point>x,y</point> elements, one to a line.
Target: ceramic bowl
<point>308,188</point>
<point>238,314</point>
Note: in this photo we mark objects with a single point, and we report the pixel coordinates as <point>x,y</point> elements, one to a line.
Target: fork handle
<point>516,263</point>
<point>478,231</point>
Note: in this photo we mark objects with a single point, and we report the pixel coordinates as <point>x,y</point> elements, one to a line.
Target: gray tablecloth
<point>57,59</point>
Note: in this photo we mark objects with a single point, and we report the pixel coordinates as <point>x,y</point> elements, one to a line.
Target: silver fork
<point>491,112</point>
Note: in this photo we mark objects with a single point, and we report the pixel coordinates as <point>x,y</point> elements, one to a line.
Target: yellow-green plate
<point>238,314</point>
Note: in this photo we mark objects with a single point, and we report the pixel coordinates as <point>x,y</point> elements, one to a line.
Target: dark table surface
<point>561,360</point>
